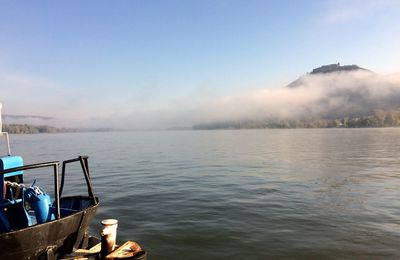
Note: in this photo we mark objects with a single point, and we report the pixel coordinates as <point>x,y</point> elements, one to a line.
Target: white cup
<point>109,234</point>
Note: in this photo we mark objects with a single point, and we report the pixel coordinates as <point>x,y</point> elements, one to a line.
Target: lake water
<point>241,194</point>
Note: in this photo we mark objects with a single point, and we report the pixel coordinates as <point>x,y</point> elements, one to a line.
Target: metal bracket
<point>5,134</point>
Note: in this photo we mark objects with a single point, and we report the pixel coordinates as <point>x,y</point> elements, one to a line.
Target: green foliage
<point>30,129</point>
<point>378,118</point>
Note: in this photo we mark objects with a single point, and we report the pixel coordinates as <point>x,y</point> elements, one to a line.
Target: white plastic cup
<point>108,235</point>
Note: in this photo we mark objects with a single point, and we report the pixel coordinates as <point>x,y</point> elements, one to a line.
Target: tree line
<point>378,118</point>
<point>31,129</point>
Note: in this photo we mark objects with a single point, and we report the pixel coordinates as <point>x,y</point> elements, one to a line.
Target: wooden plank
<point>128,249</point>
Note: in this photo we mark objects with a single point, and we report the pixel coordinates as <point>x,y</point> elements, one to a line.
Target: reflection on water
<point>252,194</point>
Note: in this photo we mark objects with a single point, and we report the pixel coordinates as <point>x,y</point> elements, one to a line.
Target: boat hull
<point>48,240</point>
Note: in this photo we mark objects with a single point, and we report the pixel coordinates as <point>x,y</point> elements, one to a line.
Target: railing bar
<point>5,134</point>
<point>87,178</point>
<point>87,165</point>
<point>56,191</point>
<point>29,167</point>
<point>62,178</point>
<point>75,159</point>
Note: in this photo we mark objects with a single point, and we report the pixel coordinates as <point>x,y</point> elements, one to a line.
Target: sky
<point>157,64</point>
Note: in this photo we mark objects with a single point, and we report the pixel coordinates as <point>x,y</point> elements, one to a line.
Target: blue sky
<point>136,63</point>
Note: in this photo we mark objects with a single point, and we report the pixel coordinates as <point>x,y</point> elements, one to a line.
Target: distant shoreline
<point>44,129</point>
<point>31,129</point>
<point>379,118</point>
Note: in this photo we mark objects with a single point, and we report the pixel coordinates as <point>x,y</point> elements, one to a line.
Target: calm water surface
<point>249,194</point>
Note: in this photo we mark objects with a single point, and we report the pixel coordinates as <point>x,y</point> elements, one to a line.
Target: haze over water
<point>248,194</point>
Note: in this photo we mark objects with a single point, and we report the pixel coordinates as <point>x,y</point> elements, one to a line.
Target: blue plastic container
<point>7,162</point>
<point>40,203</point>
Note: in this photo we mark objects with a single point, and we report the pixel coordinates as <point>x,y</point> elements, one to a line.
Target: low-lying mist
<point>313,96</point>
<point>329,95</point>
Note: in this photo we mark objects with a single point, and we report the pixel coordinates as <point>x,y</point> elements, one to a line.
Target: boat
<point>45,230</point>
<point>32,225</point>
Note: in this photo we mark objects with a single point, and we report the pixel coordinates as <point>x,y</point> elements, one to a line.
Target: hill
<point>335,68</point>
<point>328,96</point>
<point>325,69</point>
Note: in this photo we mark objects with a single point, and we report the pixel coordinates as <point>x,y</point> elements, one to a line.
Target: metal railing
<point>85,169</point>
<point>5,134</point>
<point>55,166</point>
<point>59,188</point>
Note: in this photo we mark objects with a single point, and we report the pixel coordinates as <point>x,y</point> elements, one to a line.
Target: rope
<point>16,184</point>
<point>36,189</point>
